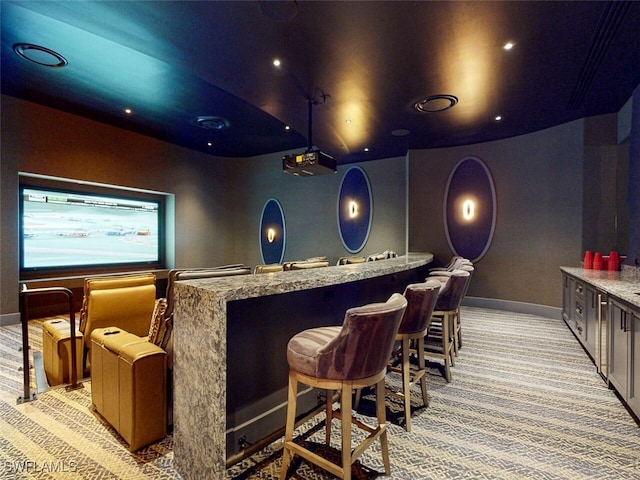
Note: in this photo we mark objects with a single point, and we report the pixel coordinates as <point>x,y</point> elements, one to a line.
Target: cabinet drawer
<point>579,309</point>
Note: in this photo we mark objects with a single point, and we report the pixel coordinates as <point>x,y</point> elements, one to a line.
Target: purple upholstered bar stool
<point>444,316</point>
<point>421,300</point>
<point>344,358</point>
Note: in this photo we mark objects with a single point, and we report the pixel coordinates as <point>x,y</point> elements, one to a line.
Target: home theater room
<point>303,239</point>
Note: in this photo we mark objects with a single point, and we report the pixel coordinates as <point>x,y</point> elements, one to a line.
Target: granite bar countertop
<point>249,286</point>
<point>200,350</point>
<point>624,285</point>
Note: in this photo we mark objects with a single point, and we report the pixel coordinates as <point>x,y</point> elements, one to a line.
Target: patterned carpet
<point>525,403</point>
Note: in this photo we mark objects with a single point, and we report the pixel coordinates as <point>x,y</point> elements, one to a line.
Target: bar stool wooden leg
<point>329,415</point>
<point>345,413</point>
<point>446,346</point>
<point>422,368</point>
<point>455,329</point>
<point>291,420</point>
<point>382,424</point>
<point>450,317</point>
<point>459,328</point>
<point>406,382</point>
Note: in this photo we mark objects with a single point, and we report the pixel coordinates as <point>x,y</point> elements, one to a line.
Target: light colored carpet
<point>525,403</point>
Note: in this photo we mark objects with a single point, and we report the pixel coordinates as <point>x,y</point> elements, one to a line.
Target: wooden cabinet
<point>618,346</point>
<point>568,283</point>
<point>624,352</point>
<point>592,302</point>
<point>633,397</point>
<point>579,311</point>
<point>604,315</point>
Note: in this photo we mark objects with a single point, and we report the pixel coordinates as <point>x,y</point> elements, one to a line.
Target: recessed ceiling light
<point>508,46</point>
<point>209,144</point>
<point>40,55</point>
<point>366,149</point>
<point>287,127</point>
<point>212,123</point>
<point>128,111</point>
<point>347,121</point>
<point>276,62</point>
<point>436,103</point>
<point>498,118</point>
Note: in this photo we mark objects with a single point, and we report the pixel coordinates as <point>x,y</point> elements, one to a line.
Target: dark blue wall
<point>633,192</point>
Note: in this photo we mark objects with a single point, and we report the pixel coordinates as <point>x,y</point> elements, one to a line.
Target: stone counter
<point>624,285</point>
<point>200,342</point>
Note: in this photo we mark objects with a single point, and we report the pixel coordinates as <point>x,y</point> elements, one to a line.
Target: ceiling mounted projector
<point>309,163</point>
<point>312,161</point>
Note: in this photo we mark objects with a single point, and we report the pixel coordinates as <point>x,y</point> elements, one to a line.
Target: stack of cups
<point>614,261</point>
<point>598,262</point>
<point>588,260</point>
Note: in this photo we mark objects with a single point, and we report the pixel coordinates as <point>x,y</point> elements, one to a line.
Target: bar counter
<point>624,284</point>
<point>230,337</point>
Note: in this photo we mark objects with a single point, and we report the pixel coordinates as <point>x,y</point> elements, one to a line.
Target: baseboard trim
<point>512,306</point>
<point>9,319</point>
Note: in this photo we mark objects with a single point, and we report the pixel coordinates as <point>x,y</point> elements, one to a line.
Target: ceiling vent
<point>212,123</point>
<point>436,103</point>
<point>40,55</point>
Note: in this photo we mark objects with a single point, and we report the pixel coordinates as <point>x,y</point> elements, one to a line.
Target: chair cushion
<point>303,348</point>
<point>359,349</point>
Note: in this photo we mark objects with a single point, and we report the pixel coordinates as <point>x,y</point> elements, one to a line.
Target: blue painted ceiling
<point>363,62</point>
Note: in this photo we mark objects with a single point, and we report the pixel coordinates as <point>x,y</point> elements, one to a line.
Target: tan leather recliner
<point>123,301</point>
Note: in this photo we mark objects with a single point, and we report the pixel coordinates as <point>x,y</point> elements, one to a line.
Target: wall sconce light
<point>468,210</point>
<point>353,209</point>
<point>271,235</point>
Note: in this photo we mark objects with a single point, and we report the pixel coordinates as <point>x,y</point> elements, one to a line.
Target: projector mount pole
<point>311,101</point>
<point>309,123</point>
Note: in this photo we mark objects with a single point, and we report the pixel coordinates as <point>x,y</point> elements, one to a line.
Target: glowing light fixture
<point>508,46</point>
<point>353,209</point>
<point>271,235</point>
<point>468,210</point>
<point>276,62</point>
<point>128,111</point>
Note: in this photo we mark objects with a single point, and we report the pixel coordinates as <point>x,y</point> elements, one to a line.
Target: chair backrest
<point>351,260</point>
<point>363,346</point>
<point>123,301</point>
<point>272,267</point>
<point>421,300</point>
<point>452,294</point>
<point>308,264</point>
<point>177,274</point>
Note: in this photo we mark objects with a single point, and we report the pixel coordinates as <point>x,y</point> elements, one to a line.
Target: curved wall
<point>538,182</point>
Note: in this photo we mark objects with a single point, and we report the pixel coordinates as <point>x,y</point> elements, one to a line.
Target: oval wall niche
<point>470,209</point>
<point>354,209</point>
<point>273,233</point>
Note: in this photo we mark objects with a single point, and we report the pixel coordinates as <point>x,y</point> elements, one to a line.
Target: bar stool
<point>344,358</point>
<point>444,316</point>
<point>449,266</point>
<point>456,323</point>
<point>421,300</point>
